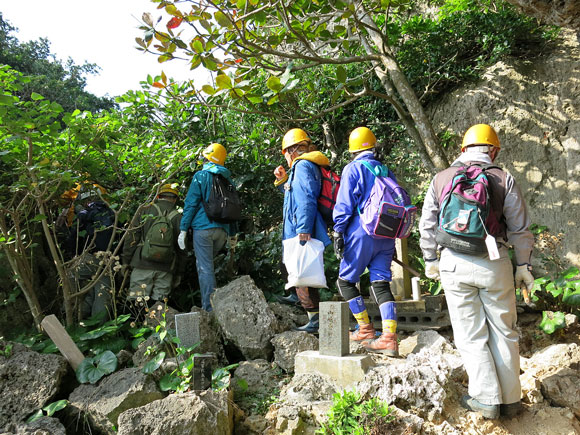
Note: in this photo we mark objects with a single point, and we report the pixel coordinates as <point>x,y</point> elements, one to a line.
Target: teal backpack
<point>158,242</point>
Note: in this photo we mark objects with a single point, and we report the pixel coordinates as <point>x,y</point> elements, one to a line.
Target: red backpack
<point>328,193</point>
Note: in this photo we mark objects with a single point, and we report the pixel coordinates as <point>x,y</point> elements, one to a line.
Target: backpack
<point>465,218</point>
<point>328,193</point>
<point>224,205</point>
<point>159,242</point>
<point>388,211</point>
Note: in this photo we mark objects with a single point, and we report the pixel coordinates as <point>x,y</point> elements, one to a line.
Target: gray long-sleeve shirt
<point>514,211</point>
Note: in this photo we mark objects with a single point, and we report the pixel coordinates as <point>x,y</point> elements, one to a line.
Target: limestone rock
<point>28,381</point>
<point>245,318</point>
<point>102,404</point>
<point>531,389</point>
<point>564,13</point>
<point>205,413</point>
<point>259,376</point>
<point>563,389</point>
<point>288,317</point>
<point>308,388</point>
<point>420,383</point>
<point>42,426</point>
<point>290,343</point>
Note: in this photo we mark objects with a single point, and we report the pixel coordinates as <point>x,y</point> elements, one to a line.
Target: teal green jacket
<point>199,190</point>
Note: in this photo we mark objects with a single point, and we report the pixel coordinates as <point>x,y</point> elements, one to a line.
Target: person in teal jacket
<point>209,237</point>
<point>301,187</point>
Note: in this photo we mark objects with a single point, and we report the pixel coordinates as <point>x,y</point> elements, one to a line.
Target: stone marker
<point>203,367</point>
<point>333,329</point>
<point>62,340</point>
<point>187,329</point>
<point>345,371</point>
<point>416,288</point>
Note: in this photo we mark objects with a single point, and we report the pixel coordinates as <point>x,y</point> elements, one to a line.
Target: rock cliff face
<point>535,107</point>
<point>565,13</point>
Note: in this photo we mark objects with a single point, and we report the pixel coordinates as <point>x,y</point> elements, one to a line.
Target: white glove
<point>181,240</point>
<point>432,269</point>
<point>524,276</point>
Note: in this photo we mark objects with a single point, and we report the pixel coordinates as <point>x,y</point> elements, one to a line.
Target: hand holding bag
<point>305,264</point>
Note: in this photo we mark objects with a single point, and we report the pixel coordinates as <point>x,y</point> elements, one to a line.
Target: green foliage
<point>91,369</point>
<point>350,415</point>
<point>558,295</point>
<point>465,37</point>
<point>551,322</point>
<point>6,350</point>
<point>48,410</point>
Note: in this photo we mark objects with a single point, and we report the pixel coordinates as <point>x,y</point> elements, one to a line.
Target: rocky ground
<point>423,385</point>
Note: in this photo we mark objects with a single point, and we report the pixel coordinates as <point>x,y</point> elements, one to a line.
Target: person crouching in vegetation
<point>301,188</point>
<point>359,251</point>
<point>89,238</point>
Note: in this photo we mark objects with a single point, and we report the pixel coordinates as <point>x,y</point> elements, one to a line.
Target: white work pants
<point>482,307</point>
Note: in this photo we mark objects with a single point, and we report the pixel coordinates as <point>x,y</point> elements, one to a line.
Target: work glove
<point>181,240</point>
<point>524,276</point>
<point>338,240</point>
<point>432,269</point>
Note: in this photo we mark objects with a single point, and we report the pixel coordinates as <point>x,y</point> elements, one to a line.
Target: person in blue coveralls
<point>301,187</point>
<point>209,237</point>
<point>359,251</point>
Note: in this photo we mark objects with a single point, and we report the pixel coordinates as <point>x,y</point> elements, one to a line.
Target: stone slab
<point>203,368</point>
<point>187,329</point>
<point>62,340</point>
<point>345,371</point>
<point>333,329</point>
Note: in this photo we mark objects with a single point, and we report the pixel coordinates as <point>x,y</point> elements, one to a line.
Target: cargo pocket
<point>447,273</point>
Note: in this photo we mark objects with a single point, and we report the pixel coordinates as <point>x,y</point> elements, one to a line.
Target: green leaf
<point>38,218</point>
<point>37,414</point>
<point>341,74</point>
<point>224,82</point>
<point>572,294</point>
<point>570,272</point>
<point>93,369</point>
<point>552,321</point>
<point>222,19</point>
<point>169,382</point>
<point>35,97</point>
<point>154,364</point>
<point>7,99</point>
<point>208,89</point>
<point>197,46</point>
<point>55,407</point>
<point>274,84</point>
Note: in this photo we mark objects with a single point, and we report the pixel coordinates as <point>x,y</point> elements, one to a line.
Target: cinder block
<point>333,329</point>
<point>345,371</point>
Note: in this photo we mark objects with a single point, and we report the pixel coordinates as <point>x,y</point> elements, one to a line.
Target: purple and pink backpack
<point>465,218</point>
<point>388,212</point>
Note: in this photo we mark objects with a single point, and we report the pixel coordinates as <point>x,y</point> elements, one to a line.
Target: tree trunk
<point>422,123</point>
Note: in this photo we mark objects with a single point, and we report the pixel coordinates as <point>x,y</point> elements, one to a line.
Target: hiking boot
<point>510,410</point>
<point>385,344</point>
<point>291,299</point>
<point>487,411</point>
<point>365,332</point>
<point>311,326</point>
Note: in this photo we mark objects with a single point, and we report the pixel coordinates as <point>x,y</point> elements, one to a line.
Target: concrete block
<point>333,329</point>
<point>345,371</point>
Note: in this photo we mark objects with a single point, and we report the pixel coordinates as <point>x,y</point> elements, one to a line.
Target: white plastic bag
<point>305,264</point>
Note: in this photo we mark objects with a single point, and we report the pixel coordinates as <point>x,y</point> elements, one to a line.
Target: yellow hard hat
<point>294,136</point>
<point>480,134</point>
<point>169,188</point>
<point>215,153</point>
<point>361,139</point>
